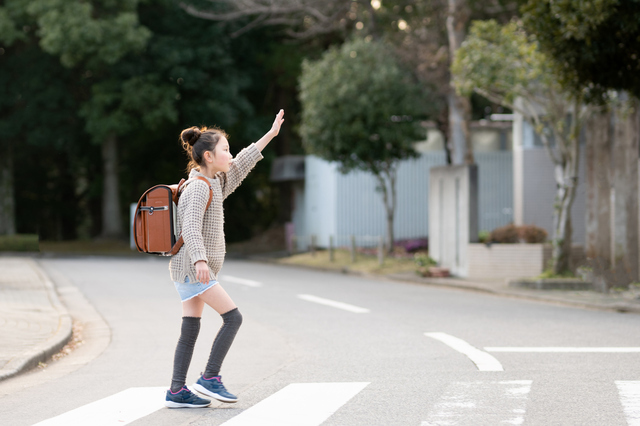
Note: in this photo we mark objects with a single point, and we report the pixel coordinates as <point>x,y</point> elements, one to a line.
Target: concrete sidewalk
<point>34,324</point>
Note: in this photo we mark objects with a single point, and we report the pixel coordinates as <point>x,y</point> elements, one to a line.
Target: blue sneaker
<point>214,388</point>
<point>185,399</point>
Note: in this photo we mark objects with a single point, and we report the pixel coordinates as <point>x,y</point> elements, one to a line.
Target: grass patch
<point>19,242</point>
<point>548,274</point>
<point>342,260</point>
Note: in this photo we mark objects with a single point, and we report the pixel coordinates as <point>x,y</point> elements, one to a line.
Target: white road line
<point>564,349</point>
<point>119,409</point>
<point>333,303</point>
<point>298,404</point>
<point>481,403</point>
<point>482,360</point>
<point>242,281</point>
<point>630,399</point>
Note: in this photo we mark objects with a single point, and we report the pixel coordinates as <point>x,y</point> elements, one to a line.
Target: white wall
<point>453,208</point>
<point>320,199</point>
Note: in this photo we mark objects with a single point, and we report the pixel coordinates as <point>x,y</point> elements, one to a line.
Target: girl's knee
<point>233,317</point>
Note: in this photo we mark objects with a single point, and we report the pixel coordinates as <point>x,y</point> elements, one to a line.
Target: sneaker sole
<point>171,404</point>
<point>198,387</point>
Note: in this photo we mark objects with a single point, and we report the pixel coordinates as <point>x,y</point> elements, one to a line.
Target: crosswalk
<point>461,403</point>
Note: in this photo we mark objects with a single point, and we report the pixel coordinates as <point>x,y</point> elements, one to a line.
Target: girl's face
<point>221,156</point>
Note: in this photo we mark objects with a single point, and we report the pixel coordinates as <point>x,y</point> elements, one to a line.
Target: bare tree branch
<point>303,18</point>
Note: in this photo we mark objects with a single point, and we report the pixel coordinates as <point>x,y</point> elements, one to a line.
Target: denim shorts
<point>188,290</point>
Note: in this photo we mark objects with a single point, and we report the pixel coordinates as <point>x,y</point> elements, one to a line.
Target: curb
<point>43,351</point>
<point>621,307</point>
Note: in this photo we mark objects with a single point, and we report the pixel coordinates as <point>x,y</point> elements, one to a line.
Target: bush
<point>19,242</point>
<point>511,234</point>
<point>532,234</point>
<point>424,260</point>
<point>505,234</point>
<point>484,236</point>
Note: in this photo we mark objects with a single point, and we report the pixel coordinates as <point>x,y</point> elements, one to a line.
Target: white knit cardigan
<point>203,232</point>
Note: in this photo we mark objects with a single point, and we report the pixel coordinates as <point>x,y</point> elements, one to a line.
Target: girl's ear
<point>208,156</point>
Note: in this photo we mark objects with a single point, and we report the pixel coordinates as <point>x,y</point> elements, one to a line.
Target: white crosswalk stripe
<point>463,403</point>
<point>630,398</point>
<point>298,404</point>
<point>474,403</point>
<point>119,409</point>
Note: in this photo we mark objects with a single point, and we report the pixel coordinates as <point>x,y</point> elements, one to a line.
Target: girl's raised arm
<point>275,129</point>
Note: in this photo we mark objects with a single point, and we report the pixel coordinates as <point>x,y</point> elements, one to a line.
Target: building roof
<point>287,168</point>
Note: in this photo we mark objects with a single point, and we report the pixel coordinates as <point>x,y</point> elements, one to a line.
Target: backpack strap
<point>178,245</point>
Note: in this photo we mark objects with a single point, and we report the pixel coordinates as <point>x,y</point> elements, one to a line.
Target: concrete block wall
<point>513,260</point>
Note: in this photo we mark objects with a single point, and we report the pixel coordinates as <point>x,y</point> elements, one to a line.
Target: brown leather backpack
<point>154,221</point>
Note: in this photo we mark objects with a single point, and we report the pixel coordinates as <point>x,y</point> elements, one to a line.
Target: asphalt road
<point>389,353</point>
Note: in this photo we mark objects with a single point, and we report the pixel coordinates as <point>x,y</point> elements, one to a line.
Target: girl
<point>194,269</point>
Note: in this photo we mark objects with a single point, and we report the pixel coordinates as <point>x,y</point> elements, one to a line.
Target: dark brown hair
<point>198,140</point>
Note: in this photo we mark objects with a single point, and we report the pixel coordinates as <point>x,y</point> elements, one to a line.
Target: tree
<point>596,51</point>
<point>363,111</point>
<point>95,36</point>
<point>595,44</point>
<point>37,127</point>
<point>505,65</point>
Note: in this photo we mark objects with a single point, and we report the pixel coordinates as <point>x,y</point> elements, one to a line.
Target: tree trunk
<point>7,195</point>
<point>624,256</point>
<point>459,106</point>
<point>598,214</point>
<point>387,183</point>
<point>567,184</point>
<point>442,124</point>
<point>111,217</point>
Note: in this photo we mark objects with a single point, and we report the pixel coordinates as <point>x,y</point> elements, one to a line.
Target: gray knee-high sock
<point>184,351</point>
<point>230,325</point>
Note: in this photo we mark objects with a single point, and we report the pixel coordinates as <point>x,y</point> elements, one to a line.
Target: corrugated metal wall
<point>359,209</point>
<point>495,191</point>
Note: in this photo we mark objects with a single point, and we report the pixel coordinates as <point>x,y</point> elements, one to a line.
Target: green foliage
<point>501,62</point>
<point>595,44</point>
<point>549,274</point>
<point>423,260</point>
<point>187,72</point>
<point>98,31</point>
<point>118,107</point>
<point>360,108</point>
<point>484,236</point>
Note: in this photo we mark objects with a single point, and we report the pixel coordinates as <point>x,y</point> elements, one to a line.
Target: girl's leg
<point>191,313</point>
<point>219,300</point>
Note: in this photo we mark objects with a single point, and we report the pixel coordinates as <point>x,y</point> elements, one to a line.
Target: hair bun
<point>190,135</point>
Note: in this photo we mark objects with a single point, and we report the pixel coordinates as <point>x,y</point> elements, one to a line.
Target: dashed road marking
<point>243,281</point>
<point>481,403</point>
<point>119,409</point>
<point>298,404</point>
<point>334,304</point>
<point>482,360</point>
<point>630,399</point>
